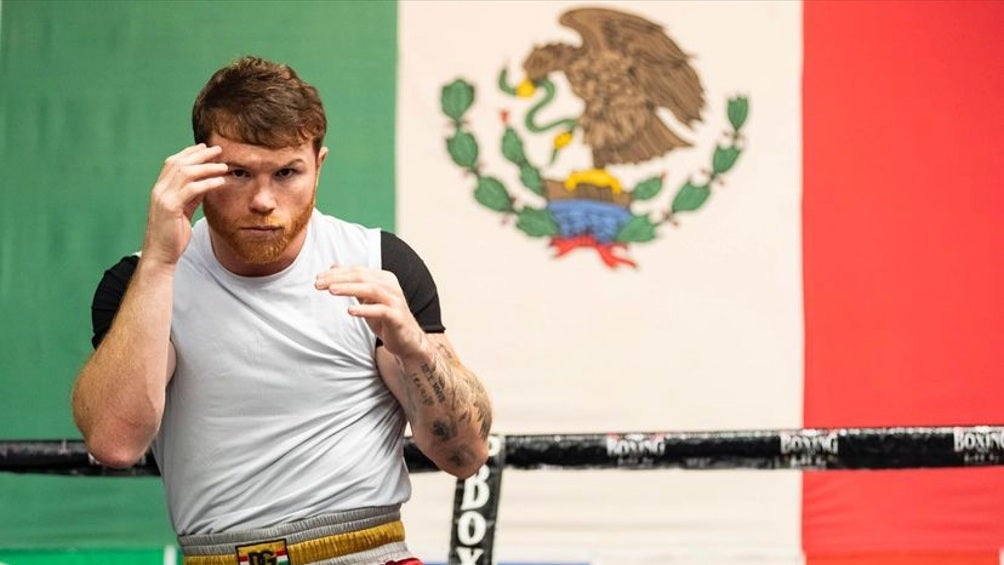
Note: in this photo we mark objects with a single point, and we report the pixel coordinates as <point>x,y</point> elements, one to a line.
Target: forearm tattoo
<point>446,383</point>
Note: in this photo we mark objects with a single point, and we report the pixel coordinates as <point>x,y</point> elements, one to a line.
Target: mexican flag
<point>641,216</point>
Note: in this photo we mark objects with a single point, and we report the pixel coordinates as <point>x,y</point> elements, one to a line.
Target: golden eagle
<point>625,69</point>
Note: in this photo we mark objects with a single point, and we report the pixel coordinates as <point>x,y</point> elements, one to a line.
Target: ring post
<point>475,510</point>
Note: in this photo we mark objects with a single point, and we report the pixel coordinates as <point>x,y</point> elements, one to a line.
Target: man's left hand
<point>381,303</point>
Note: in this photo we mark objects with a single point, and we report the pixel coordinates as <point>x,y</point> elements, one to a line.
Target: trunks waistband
<point>366,535</point>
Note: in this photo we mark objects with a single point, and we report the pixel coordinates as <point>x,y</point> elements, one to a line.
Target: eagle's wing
<point>661,70</point>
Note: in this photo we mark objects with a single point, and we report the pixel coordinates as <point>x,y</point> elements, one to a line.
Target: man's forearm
<point>118,399</point>
<point>449,410</point>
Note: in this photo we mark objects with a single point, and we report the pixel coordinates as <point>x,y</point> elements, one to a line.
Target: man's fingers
<point>191,180</point>
<point>193,155</point>
<point>190,194</point>
<point>370,311</point>
<point>338,275</point>
<point>198,187</point>
<point>378,293</point>
<point>184,153</point>
<point>199,153</point>
<point>206,169</point>
<point>364,292</point>
<point>187,173</point>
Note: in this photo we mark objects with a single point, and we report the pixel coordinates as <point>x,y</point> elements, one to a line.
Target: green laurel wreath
<point>457,98</point>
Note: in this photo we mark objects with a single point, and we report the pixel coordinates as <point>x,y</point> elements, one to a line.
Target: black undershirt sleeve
<point>397,257</point>
<point>415,279</point>
<point>108,296</point>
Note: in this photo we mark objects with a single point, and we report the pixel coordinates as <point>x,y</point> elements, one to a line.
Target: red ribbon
<point>606,251</point>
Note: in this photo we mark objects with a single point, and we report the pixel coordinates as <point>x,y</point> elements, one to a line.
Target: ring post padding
<point>475,510</point>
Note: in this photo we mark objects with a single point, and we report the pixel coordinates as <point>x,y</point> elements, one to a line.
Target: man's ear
<point>322,154</point>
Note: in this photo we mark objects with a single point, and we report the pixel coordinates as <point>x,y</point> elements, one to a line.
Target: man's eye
<point>239,173</point>
<point>285,173</point>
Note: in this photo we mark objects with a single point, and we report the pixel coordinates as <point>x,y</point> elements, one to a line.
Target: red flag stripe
<point>902,241</point>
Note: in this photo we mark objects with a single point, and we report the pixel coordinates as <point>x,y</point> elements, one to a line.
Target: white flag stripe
<point>705,334</point>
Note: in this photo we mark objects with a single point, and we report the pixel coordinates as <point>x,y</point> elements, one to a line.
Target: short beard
<point>260,253</point>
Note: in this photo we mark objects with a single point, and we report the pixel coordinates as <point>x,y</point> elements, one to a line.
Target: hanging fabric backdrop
<point>814,241</point>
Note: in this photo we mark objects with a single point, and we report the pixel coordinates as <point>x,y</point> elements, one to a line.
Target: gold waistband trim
<point>319,549</point>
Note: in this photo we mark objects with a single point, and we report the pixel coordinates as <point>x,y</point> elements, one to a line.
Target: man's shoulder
<point>388,239</point>
<point>319,217</point>
<point>349,242</point>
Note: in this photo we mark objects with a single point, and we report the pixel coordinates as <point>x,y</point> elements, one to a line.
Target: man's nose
<point>263,198</point>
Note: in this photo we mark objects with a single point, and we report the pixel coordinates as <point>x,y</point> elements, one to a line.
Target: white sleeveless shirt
<point>276,411</point>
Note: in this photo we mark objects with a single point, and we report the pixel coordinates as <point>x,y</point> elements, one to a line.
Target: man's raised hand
<point>381,303</point>
<point>178,192</point>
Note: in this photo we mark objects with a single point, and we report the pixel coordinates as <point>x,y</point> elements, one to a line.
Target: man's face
<point>258,217</point>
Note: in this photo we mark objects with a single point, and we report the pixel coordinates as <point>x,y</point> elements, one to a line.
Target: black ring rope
<point>800,449</point>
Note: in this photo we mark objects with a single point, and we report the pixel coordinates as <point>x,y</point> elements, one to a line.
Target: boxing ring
<point>478,499</point>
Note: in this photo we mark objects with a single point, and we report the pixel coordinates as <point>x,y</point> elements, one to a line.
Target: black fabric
<point>108,296</point>
<point>415,280</point>
<point>397,257</point>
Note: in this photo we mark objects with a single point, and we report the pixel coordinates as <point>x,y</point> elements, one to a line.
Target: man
<point>271,355</point>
